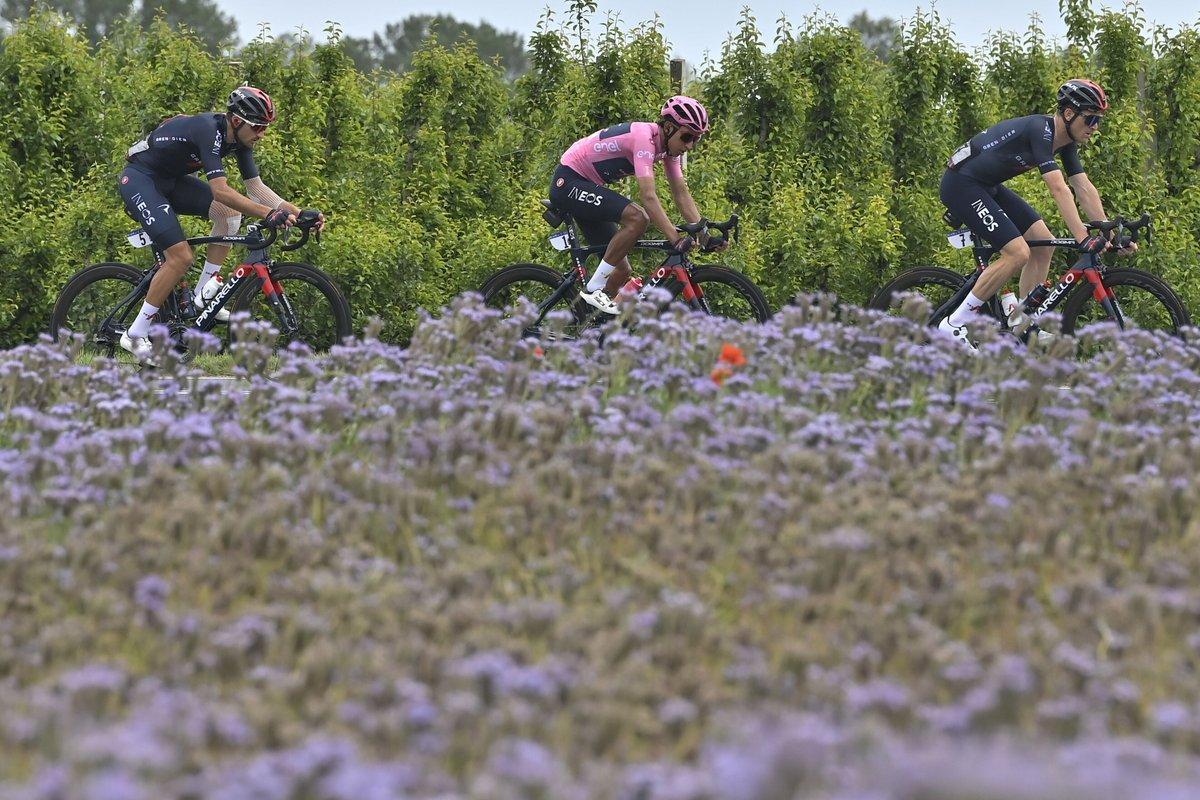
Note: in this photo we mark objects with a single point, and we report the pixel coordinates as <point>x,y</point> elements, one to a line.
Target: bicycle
<point>1088,292</point>
<point>712,289</point>
<point>101,299</point>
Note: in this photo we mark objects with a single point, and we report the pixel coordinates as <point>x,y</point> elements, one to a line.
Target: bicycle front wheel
<point>99,302</point>
<point>730,294</point>
<point>321,315</point>
<point>1142,301</point>
<point>935,284</point>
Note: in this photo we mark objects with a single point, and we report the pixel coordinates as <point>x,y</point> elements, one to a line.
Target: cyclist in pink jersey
<point>605,216</point>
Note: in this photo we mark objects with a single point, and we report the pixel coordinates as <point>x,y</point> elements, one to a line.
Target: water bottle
<point>1008,303</point>
<point>1036,297</point>
<point>211,288</point>
<point>632,286</point>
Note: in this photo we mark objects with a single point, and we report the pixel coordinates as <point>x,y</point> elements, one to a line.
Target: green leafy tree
<point>394,48</point>
<point>100,18</point>
<point>1122,52</point>
<point>216,30</point>
<point>1023,71</point>
<point>97,18</point>
<point>1080,20</point>
<point>879,35</point>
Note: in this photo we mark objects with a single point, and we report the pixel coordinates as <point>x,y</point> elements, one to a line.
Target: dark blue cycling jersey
<point>1011,147</point>
<point>184,144</point>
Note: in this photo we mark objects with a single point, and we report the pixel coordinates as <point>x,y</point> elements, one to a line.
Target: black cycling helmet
<point>252,105</point>
<point>1082,95</point>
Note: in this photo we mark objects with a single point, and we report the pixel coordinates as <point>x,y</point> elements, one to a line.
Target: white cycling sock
<point>209,270</point>
<point>963,314</point>
<point>600,278</point>
<point>141,326</point>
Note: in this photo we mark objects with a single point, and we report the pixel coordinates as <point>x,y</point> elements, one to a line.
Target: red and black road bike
<point>711,289</point>
<point>1088,292</point>
<point>299,300</point>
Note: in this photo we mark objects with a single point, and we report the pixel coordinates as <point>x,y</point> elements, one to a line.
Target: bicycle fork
<point>690,293</point>
<point>1105,297</point>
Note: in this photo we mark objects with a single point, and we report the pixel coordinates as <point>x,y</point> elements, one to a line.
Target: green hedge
<point>432,179</point>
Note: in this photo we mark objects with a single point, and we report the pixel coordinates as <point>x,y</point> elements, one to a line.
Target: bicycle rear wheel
<point>538,285</point>
<point>321,312</point>
<point>1143,301</point>
<point>99,302</point>
<point>730,294</point>
<point>935,284</point>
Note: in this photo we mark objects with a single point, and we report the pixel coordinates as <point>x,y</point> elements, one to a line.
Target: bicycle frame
<point>1088,266</point>
<point>257,266</point>
<point>675,266</point>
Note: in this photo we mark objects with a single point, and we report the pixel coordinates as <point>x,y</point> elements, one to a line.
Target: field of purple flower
<point>857,565</point>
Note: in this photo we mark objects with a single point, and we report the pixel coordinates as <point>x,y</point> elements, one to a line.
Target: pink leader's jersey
<point>630,148</point>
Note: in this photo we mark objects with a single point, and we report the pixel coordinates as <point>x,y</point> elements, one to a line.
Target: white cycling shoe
<point>600,301</point>
<point>140,347</point>
<point>957,332</point>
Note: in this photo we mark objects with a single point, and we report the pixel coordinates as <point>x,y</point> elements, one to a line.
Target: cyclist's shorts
<point>596,208</point>
<point>154,201</point>
<point>996,214</point>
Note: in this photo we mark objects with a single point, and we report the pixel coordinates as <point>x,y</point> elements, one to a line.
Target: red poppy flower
<point>732,355</point>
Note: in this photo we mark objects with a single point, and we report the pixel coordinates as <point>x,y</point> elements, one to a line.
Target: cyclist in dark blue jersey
<point>973,189</point>
<point>159,183</point>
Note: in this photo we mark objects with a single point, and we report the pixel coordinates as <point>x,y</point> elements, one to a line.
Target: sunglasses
<point>1092,120</point>
<point>252,126</point>
<point>688,138</point>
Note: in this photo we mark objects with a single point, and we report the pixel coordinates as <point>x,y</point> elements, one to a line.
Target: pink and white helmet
<point>686,112</point>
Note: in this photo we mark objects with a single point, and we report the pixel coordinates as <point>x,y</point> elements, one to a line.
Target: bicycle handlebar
<point>306,221</point>
<point>255,239</point>
<point>1122,226</point>
<point>729,228</point>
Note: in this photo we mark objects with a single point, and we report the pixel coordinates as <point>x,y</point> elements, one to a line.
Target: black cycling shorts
<point>154,202</point>
<point>596,208</point>
<point>996,214</point>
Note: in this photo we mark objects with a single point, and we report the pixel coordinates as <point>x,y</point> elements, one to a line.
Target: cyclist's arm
<point>259,192</point>
<point>682,196</point>
<point>227,195</point>
<point>1066,203</point>
<point>1088,196</point>
<point>654,209</point>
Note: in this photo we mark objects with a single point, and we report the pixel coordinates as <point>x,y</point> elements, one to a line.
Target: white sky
<point>690,33</point>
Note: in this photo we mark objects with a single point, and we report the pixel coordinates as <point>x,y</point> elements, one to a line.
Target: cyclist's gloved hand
<point>716,244</point>
<point>312,218</point>
<point>1094,244</point>
<point>1126,246</point>
<point>278,218</point>
<point>684,244</point>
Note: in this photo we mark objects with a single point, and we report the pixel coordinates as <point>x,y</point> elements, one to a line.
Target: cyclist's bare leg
<point>225,222</point>
<point>634,221</point>
<point>178,259</point>
<point>1038,266</point>
<point>217,253</point>
<point>618,278</point>
<point>1013,258</point>
<point>995,275</point>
